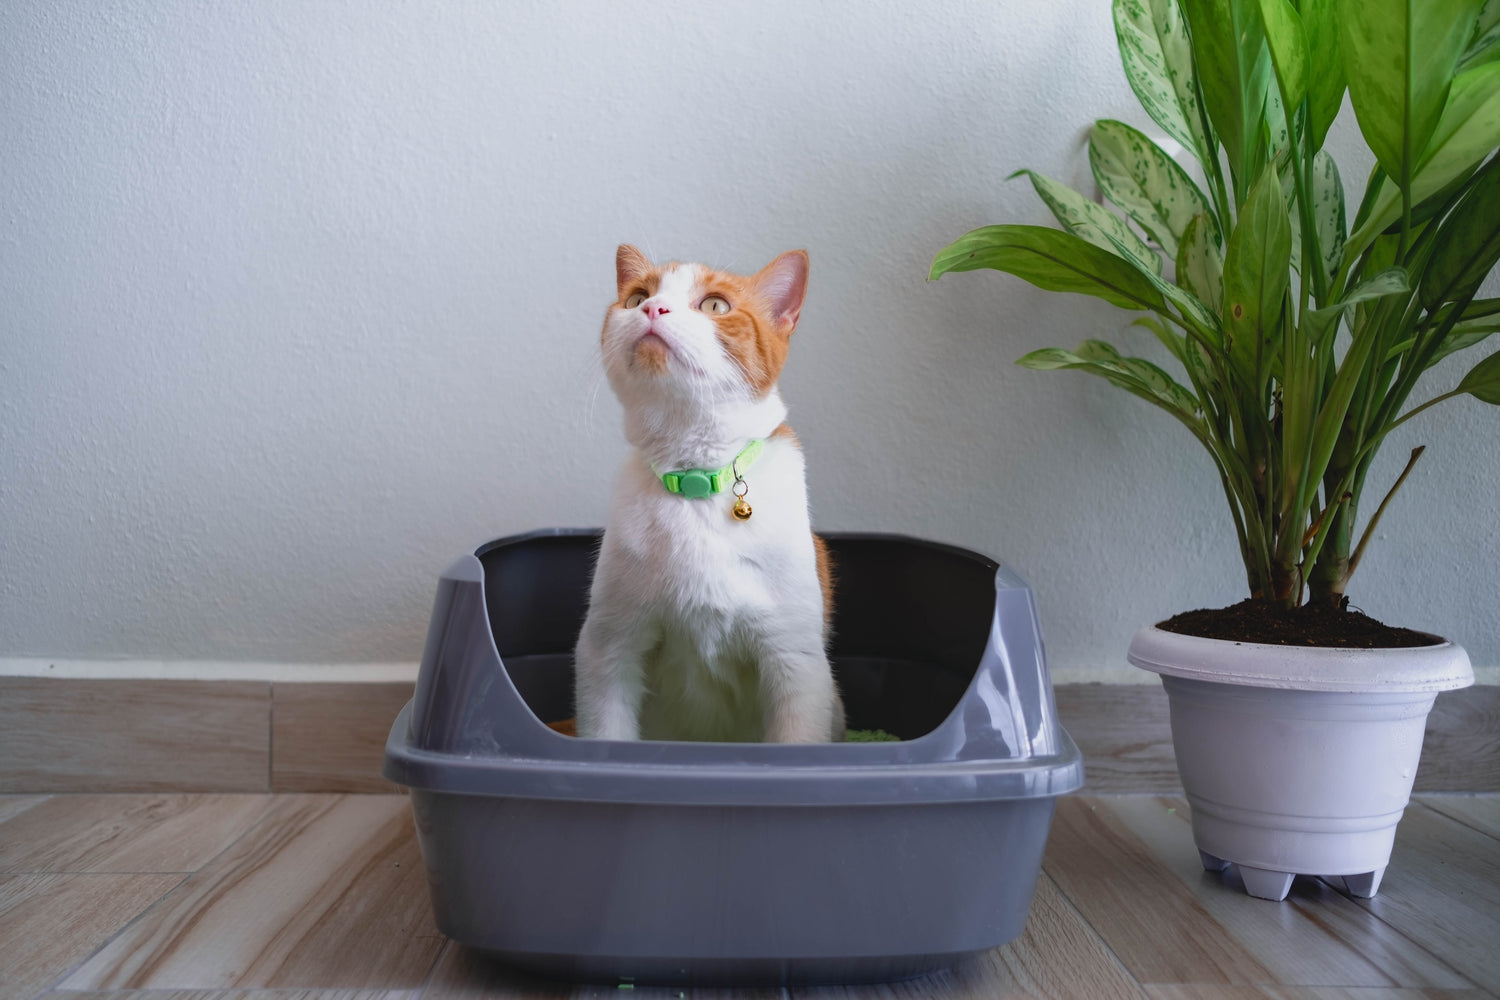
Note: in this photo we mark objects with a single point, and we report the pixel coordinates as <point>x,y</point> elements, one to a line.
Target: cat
<point>710,605</point>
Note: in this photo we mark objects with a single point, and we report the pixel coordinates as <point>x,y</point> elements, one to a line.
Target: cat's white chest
<point>713,597</point>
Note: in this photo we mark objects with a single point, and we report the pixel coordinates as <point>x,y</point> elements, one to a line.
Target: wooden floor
<point>311,897</point>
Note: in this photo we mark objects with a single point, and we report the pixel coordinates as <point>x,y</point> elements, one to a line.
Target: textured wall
<point>299,300</point>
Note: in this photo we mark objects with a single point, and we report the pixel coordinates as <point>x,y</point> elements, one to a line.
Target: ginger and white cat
<point>706,622</point>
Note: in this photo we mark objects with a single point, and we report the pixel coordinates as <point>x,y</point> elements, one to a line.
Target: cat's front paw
<point>608,725</point>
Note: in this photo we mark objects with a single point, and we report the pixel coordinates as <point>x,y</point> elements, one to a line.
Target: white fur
<point>701,626</point>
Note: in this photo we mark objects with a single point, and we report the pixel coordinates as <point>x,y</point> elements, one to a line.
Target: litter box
<point>716,863</point>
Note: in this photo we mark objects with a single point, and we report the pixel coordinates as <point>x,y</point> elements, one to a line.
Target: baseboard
<point>166,734</point>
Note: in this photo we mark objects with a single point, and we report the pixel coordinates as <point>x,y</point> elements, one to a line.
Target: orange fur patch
<point>825,580</point>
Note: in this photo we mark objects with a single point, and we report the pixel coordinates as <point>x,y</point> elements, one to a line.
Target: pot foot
<point>1366,885</point>
<point>1263,884</point>
<point>1211,863</point>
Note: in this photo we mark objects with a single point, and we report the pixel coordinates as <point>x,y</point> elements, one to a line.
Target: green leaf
<point>1489,18</point>
<point>1467,133</point>
<point>1485,46</point>
<point>1485,49</point>
<point>1476,309</point>
<point>1464,335</point>
<point>1200,264</point>
<point>1328,210</point>
<point>1049,259</point>
<point>1467,244</point>
<point>1136,174</point>
<point>1483,380</point>
<point>1158,60</point>
<point>1095,223</point>
<point>1400,57</point>
<point>1391,281</point>
<point>1352,373</point>
<point>1326,82</point>
<point>1288,42</point>
<point>1228,42</point>
<point>1256,276</point>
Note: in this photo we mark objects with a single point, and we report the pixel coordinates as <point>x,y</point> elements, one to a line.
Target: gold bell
<point>741,509</point>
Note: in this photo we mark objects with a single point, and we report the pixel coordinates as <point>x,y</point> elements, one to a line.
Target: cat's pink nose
<point>654,308</point>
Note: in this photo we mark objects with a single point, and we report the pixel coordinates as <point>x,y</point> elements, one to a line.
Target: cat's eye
<point>714,305</point>
<point>634,301</point>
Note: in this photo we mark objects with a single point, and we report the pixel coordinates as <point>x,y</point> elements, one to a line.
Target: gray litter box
<point>713,863</point>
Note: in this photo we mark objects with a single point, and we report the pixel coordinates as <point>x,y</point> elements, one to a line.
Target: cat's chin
<point>651,354</point>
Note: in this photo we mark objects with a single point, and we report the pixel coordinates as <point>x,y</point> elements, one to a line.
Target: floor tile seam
<point>109,939</point>
<point>1098,935</point>
<point>1230,978</point>
<point>1461,821</point>
<point>1414,944</point>
<point>267,816</point>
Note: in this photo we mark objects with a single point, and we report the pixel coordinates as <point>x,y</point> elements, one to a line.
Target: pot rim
<point>1442,666</point>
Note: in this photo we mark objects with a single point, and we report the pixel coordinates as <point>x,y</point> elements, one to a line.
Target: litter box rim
<point>964,759</point>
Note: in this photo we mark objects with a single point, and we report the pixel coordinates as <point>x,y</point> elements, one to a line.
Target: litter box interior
<point>910,623</point>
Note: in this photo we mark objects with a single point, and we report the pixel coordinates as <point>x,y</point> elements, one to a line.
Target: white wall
<point>300,299</point>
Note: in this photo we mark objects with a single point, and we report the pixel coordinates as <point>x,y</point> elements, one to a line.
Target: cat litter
<point>734,863</point>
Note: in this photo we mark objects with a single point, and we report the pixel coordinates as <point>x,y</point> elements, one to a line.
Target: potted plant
<point>1300,339</point>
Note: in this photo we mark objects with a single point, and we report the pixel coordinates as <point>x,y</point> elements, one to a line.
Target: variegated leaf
<point>1200,263</point>
<point>1136,174</point>
<point>1328,210</point>
<point>1158,60</point>
<point>1053,260</point>
<point>1134,375</point>
<point>1174,342</point>
<point>1093,222</point>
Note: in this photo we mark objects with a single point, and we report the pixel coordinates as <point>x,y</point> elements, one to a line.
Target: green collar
<point>699,483</point>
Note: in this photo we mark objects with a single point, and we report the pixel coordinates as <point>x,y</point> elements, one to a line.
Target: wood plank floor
<point>323,897</point>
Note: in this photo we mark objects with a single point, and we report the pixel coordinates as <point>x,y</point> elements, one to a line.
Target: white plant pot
<point>1296,760</point>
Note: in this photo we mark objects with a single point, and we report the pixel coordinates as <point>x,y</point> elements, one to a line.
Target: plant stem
<point>1364,539</point>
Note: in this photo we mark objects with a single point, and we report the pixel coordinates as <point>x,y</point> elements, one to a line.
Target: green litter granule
<point>870,736</point>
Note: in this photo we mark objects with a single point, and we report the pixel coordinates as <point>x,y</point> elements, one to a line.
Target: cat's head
<point>694,334</point>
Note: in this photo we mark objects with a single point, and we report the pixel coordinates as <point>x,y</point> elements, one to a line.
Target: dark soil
<point>1309,625</point>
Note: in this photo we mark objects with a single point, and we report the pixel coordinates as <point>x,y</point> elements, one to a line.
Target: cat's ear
<point>782,285</point>
<point>630,266</point>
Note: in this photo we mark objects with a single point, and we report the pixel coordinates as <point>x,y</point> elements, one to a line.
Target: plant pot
<point>1297,760</point>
